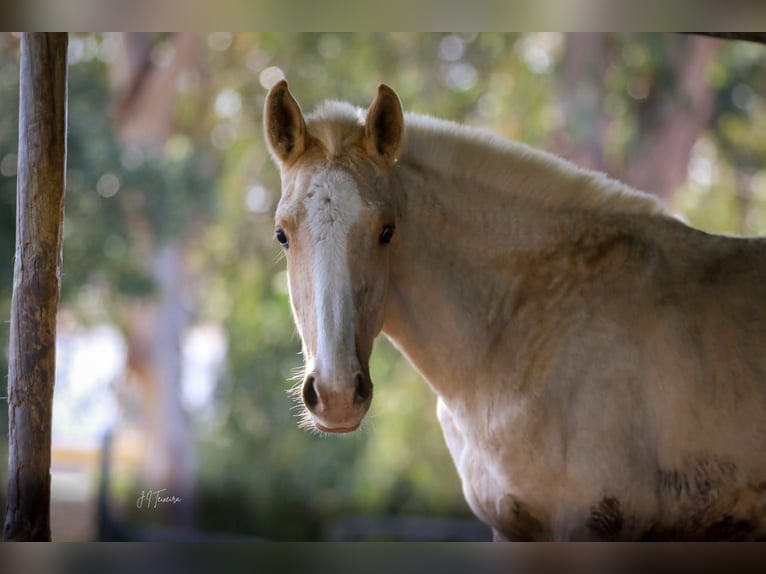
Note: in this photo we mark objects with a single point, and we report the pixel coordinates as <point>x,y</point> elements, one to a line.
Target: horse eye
<point>282,238</point>
<point>387,234</point>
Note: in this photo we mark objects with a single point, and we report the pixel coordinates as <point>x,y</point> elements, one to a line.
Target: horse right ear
<point>283,124</point>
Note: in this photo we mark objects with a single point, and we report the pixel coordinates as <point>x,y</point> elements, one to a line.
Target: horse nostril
<point>363,389</point>
<point>310,396</point>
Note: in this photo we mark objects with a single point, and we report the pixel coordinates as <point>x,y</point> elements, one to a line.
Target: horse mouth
<point>336,430</point>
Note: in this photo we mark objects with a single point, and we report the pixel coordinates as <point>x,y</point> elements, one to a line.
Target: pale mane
<point>488,160</point>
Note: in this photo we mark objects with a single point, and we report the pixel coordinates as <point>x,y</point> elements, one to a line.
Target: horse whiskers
<point>295,392</point>
<point>305,420</point>
<point>298,373</point>
<point>306,423</point>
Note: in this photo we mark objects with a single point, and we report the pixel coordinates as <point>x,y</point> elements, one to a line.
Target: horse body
<point>597,362</point>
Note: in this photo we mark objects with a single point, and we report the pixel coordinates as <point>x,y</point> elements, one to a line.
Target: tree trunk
<point>143,117</point>
<point>154,332</point>
<point>146,93</point>
<point>584,65</point>
<point>36,282</point>
<point>660,163</point>
<point>681,113</point>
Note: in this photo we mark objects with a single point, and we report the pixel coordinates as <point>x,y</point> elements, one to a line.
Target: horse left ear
<point>384,127</point>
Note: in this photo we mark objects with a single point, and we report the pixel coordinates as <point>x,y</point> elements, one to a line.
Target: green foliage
<point>728,194</point>
<point>121,200</point>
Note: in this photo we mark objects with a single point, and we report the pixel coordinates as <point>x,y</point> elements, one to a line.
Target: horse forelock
<point>336,125</point>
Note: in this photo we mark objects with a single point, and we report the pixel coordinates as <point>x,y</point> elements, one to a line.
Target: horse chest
<point>521,491</point>
<point>498,489</point>
<point>524,495</point>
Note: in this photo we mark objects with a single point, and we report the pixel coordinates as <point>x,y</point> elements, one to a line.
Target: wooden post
<point>36,282</point>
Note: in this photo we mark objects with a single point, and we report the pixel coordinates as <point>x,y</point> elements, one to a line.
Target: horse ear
<point>384,128</point>
<point>283,124</point>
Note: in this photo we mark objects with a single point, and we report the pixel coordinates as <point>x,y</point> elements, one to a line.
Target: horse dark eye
<point>387,234</point>
<point>282,238</point>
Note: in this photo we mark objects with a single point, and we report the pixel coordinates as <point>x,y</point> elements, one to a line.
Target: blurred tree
<point>660,82</point>
<point>144,98</point>
<point>741,119</point>
<point>726,188</point>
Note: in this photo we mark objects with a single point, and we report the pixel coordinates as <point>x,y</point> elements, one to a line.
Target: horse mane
<point>480,156</point>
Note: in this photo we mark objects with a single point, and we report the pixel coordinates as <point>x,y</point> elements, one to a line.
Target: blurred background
<point>176,343</point>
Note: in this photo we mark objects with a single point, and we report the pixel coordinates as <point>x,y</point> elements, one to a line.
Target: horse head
<point>336,221</point>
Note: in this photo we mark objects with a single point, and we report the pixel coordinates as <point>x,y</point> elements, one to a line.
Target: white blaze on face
<point>333,207</point>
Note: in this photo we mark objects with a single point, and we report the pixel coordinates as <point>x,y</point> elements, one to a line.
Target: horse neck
<point>457,253</point>
<point>467,255</point>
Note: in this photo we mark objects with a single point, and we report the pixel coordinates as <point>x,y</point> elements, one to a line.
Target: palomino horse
<point>600,366</point>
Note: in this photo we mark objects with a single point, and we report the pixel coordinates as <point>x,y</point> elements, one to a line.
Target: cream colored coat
<point>600,366</point>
